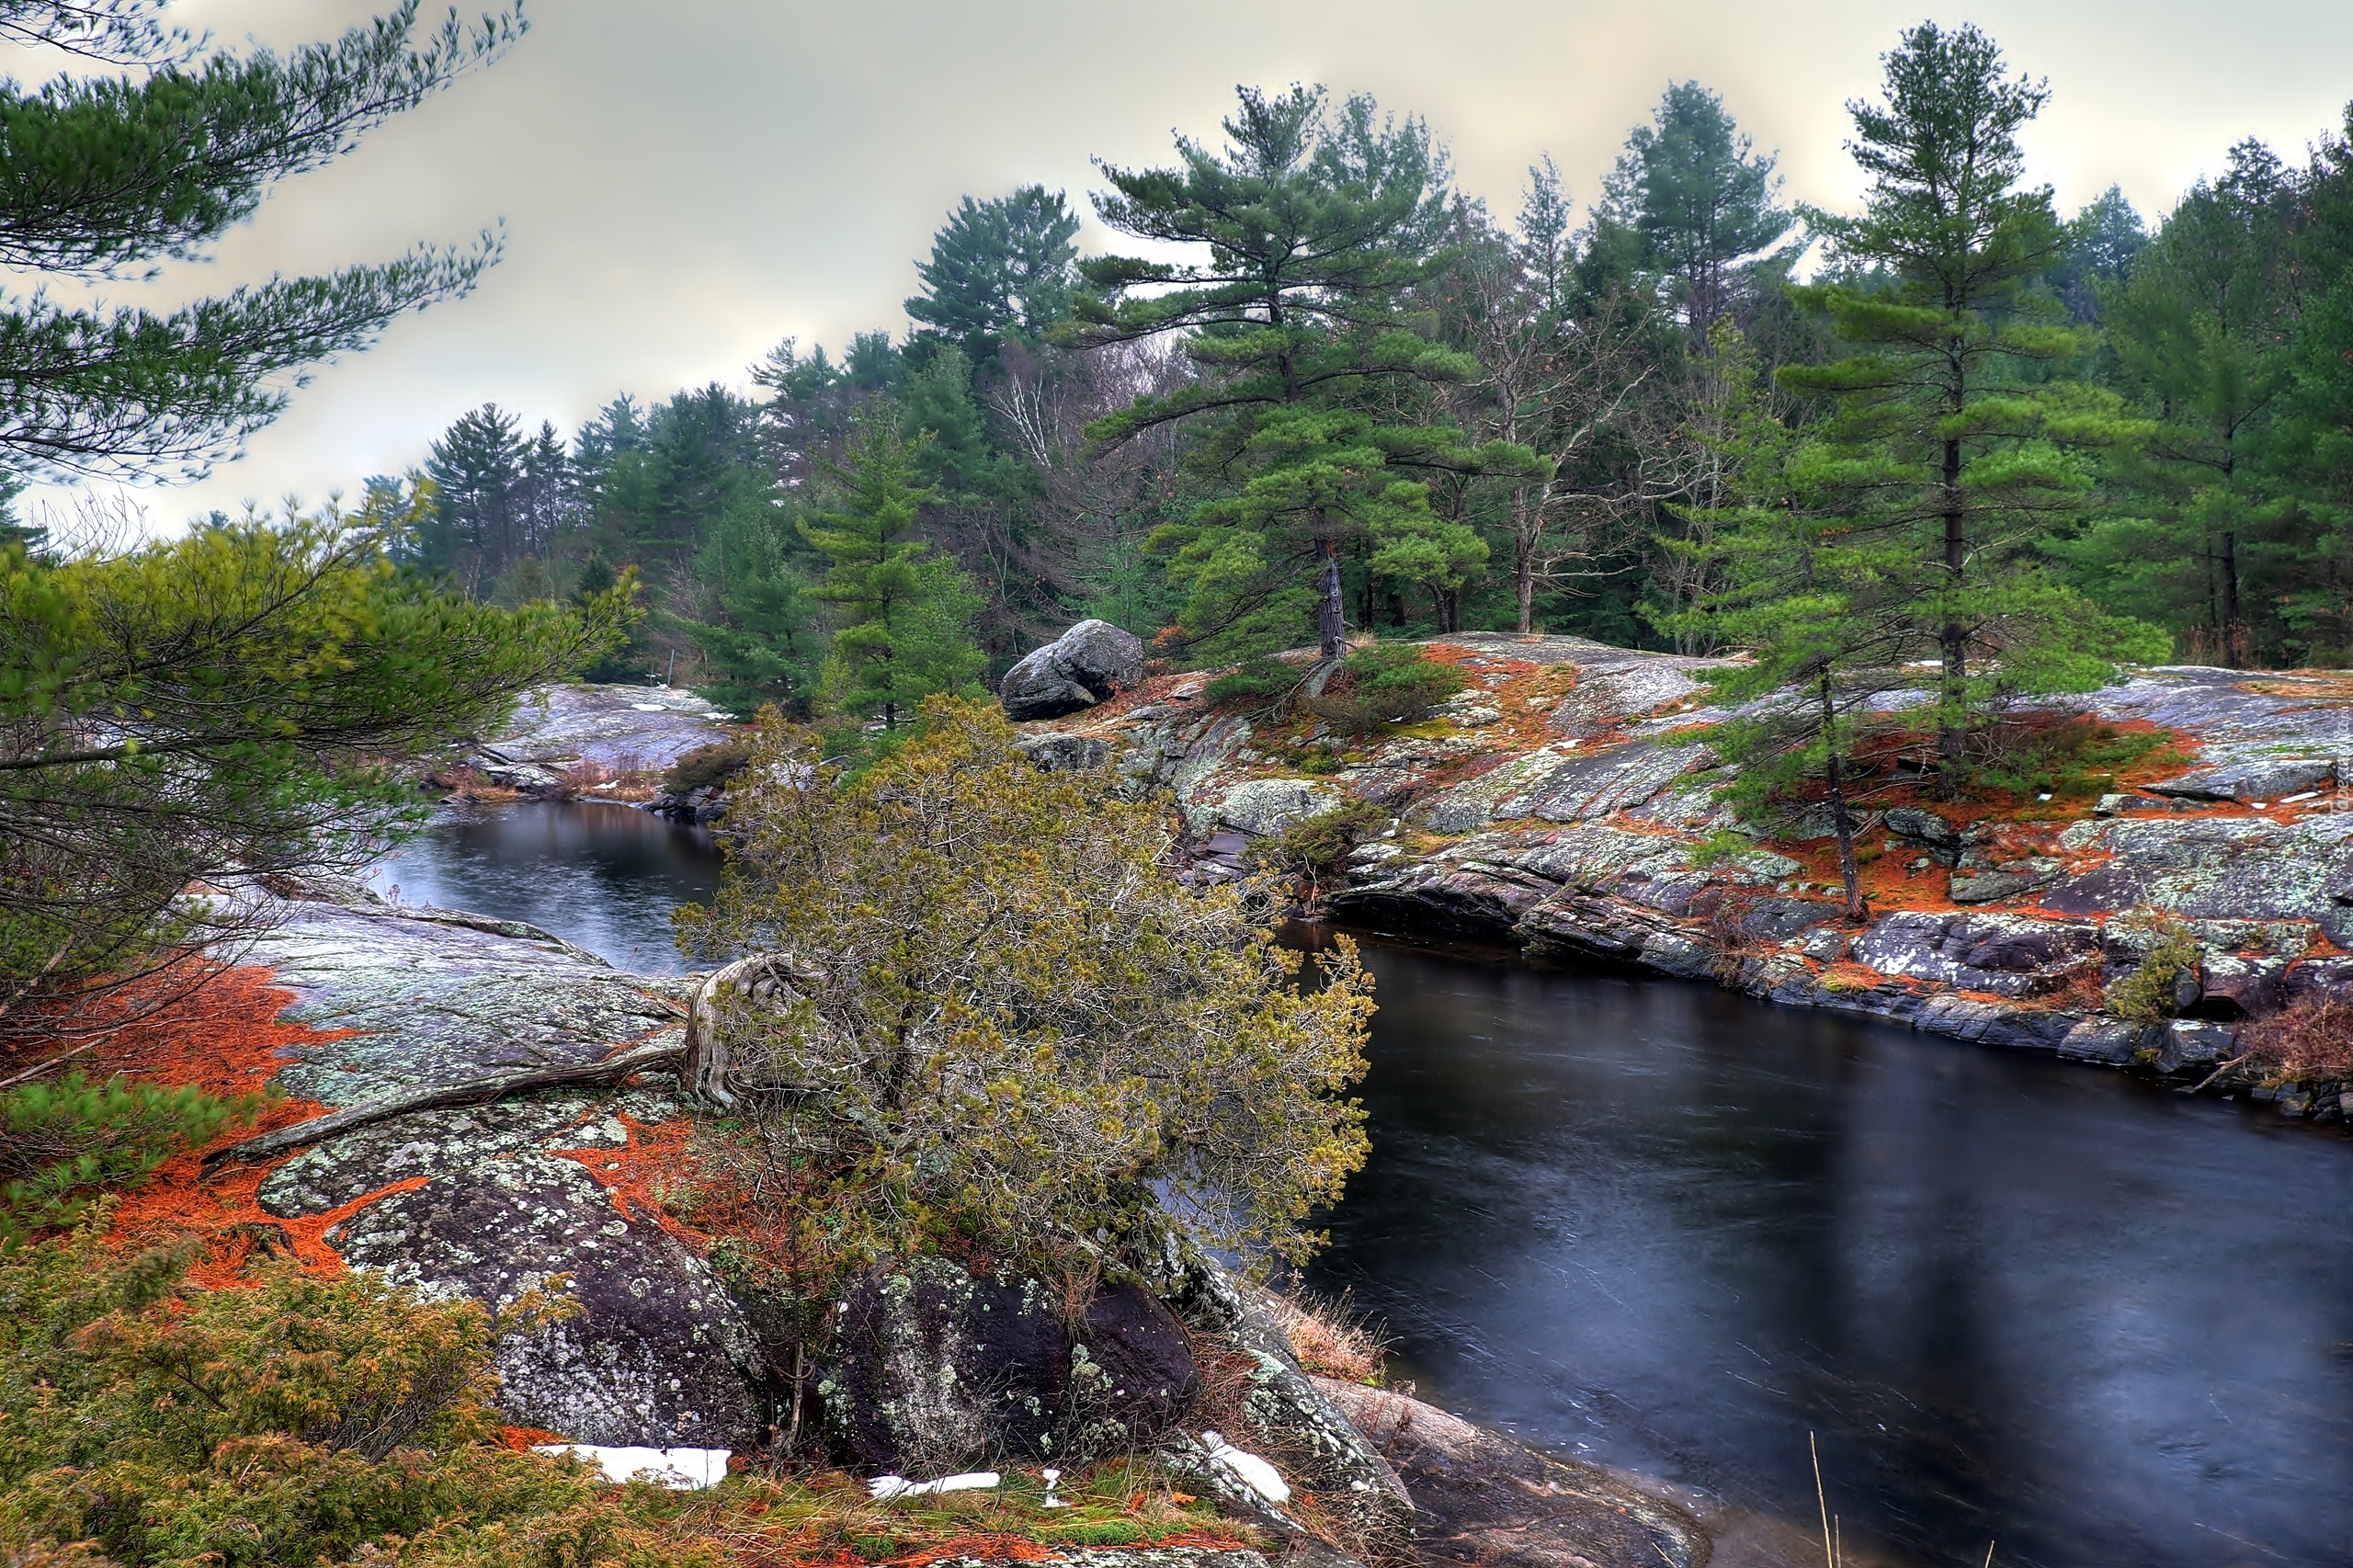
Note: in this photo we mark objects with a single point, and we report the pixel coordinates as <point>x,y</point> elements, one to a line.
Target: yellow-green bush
<point>2147,995</point>
<point>147,1420</point>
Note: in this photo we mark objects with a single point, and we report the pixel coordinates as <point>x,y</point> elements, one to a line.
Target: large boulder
<point>936,1369</point>
<point>1082,667</point>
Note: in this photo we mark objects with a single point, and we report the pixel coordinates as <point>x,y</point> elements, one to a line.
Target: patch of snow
<point>1248,1468</point>
<point>883,1488</point>
<point>680,1469</point>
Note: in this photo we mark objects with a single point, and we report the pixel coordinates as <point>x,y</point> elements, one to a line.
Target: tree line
<point>1364,401</point>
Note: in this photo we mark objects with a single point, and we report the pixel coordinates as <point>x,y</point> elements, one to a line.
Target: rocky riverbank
<point>472,1108</point>
<point>1565,801</point>
<point>586,741</point>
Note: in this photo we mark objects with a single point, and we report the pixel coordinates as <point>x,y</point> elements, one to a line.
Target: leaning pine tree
<point>222,704</point>
<point>1955,438</point>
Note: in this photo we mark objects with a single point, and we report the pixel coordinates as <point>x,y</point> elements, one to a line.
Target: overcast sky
<point>684,184</point>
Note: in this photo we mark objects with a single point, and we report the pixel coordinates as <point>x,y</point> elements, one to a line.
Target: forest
<point>1335,364</point>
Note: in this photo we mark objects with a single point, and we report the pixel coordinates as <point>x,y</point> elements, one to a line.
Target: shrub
<point>1254,681</point>
<point>61,1143</point>
<point>2147,994</point>
<point>2070,758</point>
<point>1025,1027</point>
<point>1315,847</point>
<point>1724,844</point>
<point>1382,683</point>
<point>291,1420</point>
<point>707,765</point>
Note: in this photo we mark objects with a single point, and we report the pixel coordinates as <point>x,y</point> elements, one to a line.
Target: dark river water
<point>1660,1226</point>
<point>603,876</point>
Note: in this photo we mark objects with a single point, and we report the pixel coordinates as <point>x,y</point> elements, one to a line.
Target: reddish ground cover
<point>227,1039</point>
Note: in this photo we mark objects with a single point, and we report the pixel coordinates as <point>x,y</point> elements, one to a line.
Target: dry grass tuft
<point>1333,1339</point>
<point>2310,1041</point>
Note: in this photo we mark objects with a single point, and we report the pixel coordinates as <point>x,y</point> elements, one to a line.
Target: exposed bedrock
<point>1567,802</point>
<point>930,1367</point>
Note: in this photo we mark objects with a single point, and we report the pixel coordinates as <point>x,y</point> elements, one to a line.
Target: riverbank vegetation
<point>147,1421</point>
<point>1004,1023</point>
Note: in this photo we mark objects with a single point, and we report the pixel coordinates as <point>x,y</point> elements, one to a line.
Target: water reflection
<point>601,876</point>
<point>1675,1230</point>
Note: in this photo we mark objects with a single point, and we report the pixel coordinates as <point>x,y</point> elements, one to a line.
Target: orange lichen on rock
<point>228,1038</point>
<point>522,1438</point>
<point>653,1159</point>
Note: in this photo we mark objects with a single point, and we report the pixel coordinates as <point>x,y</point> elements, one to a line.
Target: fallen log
<point>615,1069</point>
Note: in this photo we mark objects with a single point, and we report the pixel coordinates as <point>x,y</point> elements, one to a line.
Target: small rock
<point>2189,1043</point>
<point>1985,887</point>
<point>2259,779</point>
<point>1056,751</point>
<point>1922,827</point>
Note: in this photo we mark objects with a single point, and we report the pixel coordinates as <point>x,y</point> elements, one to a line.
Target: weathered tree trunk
<point>707,1065</point>
<point>1842,822</point>
<point>618,1068</point>
<point>1523,564</point>
<point>1331,613</point>
<point>2233,655</point>
<point>1953,636</point>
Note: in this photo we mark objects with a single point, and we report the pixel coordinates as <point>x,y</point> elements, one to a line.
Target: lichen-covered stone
<point>2229,868</point>
<point>1058,753</point>
<point>653,1351</point>
<point>610,726</point>
<point>936,1369</point>
<point>1261,806</point>
<point>1086,665</point>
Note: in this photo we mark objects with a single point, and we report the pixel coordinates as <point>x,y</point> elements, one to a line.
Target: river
<point>1664,1227</point>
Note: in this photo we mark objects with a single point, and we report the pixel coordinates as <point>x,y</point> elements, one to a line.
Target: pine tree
<point>1314,398</point>
<point>1690,187</point>
<point>2200,333</point>
<point>102,175</point>
<point>2103,240</point>
<point>998,267</point>
<point>901,611</point>
<point>2310,461</point>
<point>477,471</point>
<point>1951,433</point>
<point>1806,598</point>
<point>762,647</point>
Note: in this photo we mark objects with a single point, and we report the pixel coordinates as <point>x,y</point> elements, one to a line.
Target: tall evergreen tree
<point>476,467</point>
<point>762,645</point>
<point>1805,596</point>
<point>999,268</point>
<point>1317,228</point>
<point>2102,241</point>
<point>1700,200</point>
<point>900,610</point>
<point>2200,333</point>
<point>2309,558</point>
<point>1952,433</point>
